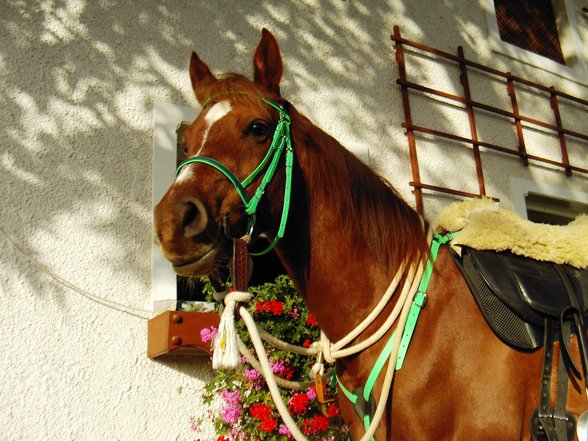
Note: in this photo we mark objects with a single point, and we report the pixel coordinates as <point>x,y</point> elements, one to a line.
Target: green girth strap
<point>418,303</point>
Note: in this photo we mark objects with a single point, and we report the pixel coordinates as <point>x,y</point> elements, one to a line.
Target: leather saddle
<point>531,304</point>
<point>516,294</point>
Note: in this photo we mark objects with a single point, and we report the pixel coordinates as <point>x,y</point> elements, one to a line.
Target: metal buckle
<point>420,295</point>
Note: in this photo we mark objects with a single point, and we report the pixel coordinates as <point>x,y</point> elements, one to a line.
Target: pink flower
<point>193,425</point>
<point>281,369</point>
<point>278,366</point>
<point>283,430</point>
<point>251,374</point>
<point>231,413</point>
<point>311,393</point>
<point>253,377</point>
<point>207,334</point>
<point>231,397</point>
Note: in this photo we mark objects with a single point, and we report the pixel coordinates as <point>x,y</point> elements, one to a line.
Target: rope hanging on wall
<point>121,307</point>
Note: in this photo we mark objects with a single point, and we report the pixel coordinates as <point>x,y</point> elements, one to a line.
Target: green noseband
<point>281,144</point>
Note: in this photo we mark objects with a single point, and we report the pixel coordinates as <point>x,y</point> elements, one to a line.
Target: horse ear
<point>200,75</point>
<point>267,62</point>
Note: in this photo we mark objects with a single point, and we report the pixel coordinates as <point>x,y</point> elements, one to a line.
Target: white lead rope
<point>333,351</point>
<point>409,288</point>
<point>269,375</point>
<point>391,368</point>
<point>227,357</point>
<point>226,343</point>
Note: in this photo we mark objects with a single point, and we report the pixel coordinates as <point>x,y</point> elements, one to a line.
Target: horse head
<point>217,192</point>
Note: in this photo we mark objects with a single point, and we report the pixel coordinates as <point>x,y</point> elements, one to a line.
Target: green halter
<point>281,142</point>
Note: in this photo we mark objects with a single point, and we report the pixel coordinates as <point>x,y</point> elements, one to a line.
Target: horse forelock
<point>230,93</point>
<point>238,89</point>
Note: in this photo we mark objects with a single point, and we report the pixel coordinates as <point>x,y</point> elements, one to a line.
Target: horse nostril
<point>194,217</point>
<point>190,214</point>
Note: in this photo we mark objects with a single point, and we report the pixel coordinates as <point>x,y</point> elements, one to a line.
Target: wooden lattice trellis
<point>472,107</point>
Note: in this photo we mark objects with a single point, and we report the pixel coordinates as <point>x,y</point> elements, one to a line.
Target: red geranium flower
<point>268,425</point>
<point>333,410</point>
<point>311,320</point>
<point>318,423</point>
<point>276,307</point>
<point>288,372</point>
<point>260,411</point>
<point>307,343</point>
<point>299,403</point>
<point>261,307</point>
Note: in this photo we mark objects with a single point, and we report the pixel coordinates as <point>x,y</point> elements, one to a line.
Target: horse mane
<point>367,205</point>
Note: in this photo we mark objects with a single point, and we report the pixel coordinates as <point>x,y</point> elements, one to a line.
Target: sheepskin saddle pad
<point>519,272</point>
<point>484,225</point>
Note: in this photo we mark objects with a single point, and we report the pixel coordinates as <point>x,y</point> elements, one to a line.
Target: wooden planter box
<point>178,332</point>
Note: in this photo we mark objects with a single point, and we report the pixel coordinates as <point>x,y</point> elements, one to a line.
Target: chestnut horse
<point>347,233</point>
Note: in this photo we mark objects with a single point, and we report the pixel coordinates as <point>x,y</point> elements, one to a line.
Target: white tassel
<point>225,353</point>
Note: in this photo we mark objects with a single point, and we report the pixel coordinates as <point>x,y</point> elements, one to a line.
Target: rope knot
<point>325,347</point>
<point>226,343</point>
<point>237,297</point>
<point>318,368</point>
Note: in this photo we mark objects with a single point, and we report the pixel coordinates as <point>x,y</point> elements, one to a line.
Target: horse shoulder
<point>459,374</point>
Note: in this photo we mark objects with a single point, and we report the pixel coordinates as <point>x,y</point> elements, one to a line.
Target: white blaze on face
<point>214,115</point>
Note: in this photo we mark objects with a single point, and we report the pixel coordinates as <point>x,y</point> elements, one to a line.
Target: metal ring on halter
<point>227,227</point>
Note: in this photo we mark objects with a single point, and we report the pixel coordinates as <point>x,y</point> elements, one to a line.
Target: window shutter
<point>529,24</point>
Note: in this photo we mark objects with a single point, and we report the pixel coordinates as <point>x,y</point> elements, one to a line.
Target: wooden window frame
<point>166,119</point>
<point>530,25</point>
<point>521,188</point>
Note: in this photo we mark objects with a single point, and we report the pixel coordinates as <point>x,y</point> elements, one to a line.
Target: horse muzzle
<point>188,237</point>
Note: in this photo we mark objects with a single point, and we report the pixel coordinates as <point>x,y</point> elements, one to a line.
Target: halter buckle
<point>420,299</point>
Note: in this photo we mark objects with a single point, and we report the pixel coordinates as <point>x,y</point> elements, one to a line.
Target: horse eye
<point>185,149</point>
<point>257,128</point>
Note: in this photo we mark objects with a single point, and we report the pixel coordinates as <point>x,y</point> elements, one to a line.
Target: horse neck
<point>348,232</point>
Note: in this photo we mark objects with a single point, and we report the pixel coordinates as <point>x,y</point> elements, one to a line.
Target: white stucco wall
<point>78,80</point>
